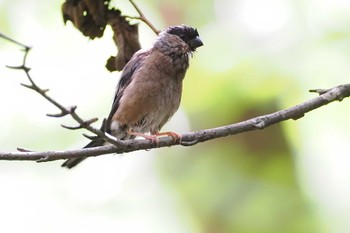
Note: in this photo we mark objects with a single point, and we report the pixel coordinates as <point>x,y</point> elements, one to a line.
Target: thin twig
<point>142,17</point>
<point>64,110</point>
<point>14,41</point>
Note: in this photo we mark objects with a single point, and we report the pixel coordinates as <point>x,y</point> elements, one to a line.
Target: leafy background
<point>259,57</point>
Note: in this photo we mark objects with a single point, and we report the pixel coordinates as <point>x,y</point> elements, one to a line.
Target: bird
<point>149,89</point>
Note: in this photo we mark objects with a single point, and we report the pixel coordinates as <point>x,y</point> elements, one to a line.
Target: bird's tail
<point>69,163</point>
<point>95,142</point>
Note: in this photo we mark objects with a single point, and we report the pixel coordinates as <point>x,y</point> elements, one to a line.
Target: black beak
<point>195,43</point>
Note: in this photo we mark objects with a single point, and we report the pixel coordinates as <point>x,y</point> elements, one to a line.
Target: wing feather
<point>125,79</point>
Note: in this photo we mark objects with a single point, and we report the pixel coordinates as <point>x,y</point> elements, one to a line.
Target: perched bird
<point>149,90</point>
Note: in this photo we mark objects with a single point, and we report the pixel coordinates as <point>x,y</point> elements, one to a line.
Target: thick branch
<point>192,138</point>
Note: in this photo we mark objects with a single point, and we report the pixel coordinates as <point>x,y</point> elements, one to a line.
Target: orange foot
<point>154,137</point>
<point>175,136</point>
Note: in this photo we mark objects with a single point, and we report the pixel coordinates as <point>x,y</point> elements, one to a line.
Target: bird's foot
<point>175,136</point>
<point>154,137</point>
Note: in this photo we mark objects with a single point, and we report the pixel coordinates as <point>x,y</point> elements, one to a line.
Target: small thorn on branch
<point>26,48</point>
<point>21,67</point>
<point>71,109</point>
<point>24,150</point>
<point>319,91</point>
<point>339,92</point>
<point>28,86</point>
<point>90,137</point>
<point>64,112</point>
<point>35,88</point>
<point>81,126</point>
<point>89,122</point>
<point>72,127</point>
<point>61,114</point>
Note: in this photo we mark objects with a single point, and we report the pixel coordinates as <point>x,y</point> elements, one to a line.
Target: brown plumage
<point>149,90</point>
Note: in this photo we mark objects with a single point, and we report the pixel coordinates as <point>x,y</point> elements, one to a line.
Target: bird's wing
<point>125,79</point>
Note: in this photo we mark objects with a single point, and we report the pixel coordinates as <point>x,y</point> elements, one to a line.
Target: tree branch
<point>192,138</point>
<point>143,18</point>
<point>325,97</point>
<point>86,124</point>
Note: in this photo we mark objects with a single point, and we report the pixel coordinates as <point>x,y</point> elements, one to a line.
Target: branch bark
<point>143,18</point>
<point>189,139</point>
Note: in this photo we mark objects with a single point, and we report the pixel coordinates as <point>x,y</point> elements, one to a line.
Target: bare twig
<point>14,41</point>
<point>81,126</point>
<point>64,110</point>
<point>142,17</point>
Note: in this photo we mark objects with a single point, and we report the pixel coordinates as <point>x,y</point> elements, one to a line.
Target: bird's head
<point>187,34</point>
<point>179,40</point>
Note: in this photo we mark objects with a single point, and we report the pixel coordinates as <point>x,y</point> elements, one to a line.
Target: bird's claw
<point>154,137</point>
<point>175,136</point>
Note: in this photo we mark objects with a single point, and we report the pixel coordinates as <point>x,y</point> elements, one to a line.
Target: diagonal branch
<point>64,110</point>
<point>189,139</point>
<point>143,18</point>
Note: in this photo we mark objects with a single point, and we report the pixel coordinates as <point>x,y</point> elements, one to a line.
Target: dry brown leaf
<point>126,37</point>
<point>91,17</point>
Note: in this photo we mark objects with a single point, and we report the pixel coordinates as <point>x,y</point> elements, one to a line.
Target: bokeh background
<point>259,56</point>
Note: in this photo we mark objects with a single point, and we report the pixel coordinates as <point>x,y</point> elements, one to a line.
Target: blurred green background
<point>259,56</point>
